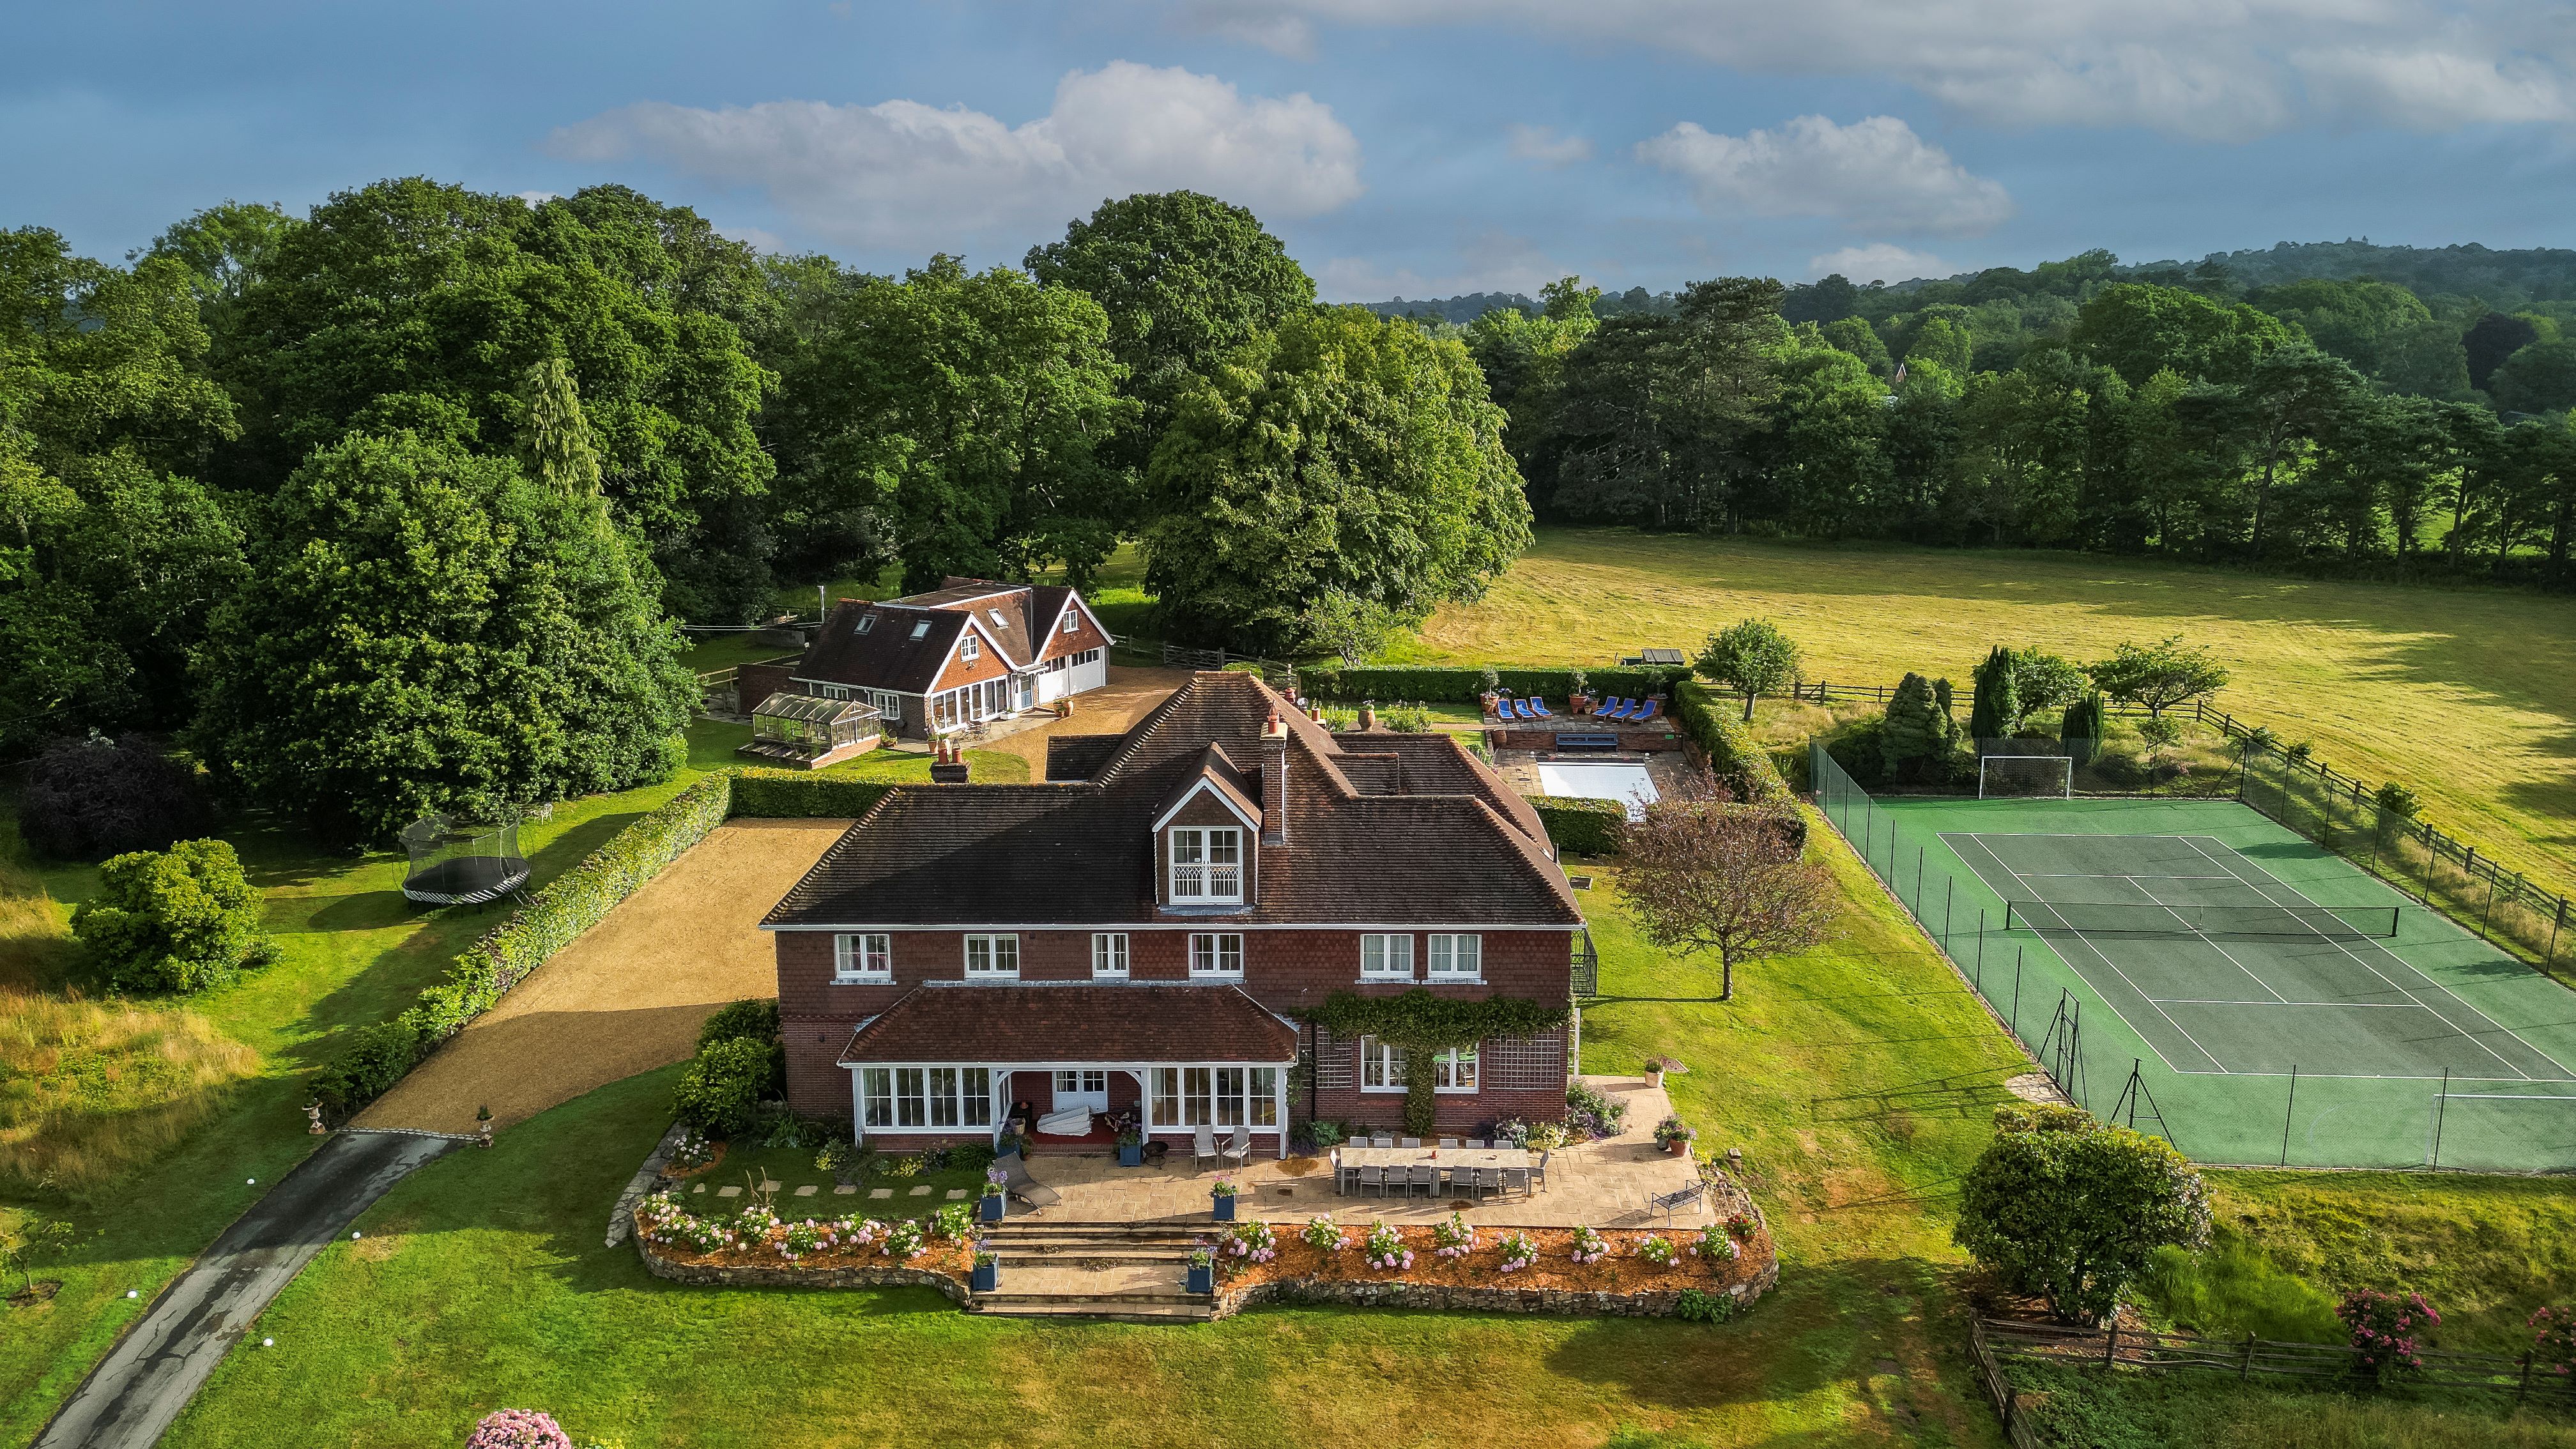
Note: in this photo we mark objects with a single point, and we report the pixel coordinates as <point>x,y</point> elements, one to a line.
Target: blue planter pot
<point>1202,1280</point>
<point>1131,1154</point>
<point>1224,1206</point>
<point>992,1209</point>
<point>988,1276</point>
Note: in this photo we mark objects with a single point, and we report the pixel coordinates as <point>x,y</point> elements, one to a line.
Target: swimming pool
<point>1629,784</point>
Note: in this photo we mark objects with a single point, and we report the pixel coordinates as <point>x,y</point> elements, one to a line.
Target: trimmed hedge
<point>1580,826</point>
<point>573,903</point>
<point>1461,685</point>
<point>1731,749</point>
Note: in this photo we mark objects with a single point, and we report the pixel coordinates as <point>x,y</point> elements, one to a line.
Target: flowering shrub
<point>1673,1129</point>
<point>1385,1248</point>
<point>955,1221</point>
<point>692,1151</point>
<point>836,1156</point>
<point>1253,1242</point>
<point>997,1181</point>
<point>1546,1136</point>
<point>801,1239</point>
<point>903,1241</point>
<point>1739,1226</point>
<point>1715,1246</point>
<point>518,1429</point>
<point>1452,1239</point>
<point>1656,1249</point>
<point>752,1224</point>
<point>1519,1251</point>
<point>1589,1246</point>
<point>1323,1233</point>
<point>2553,1344</point>
<point>1224,1188</point>
<point>905,1166</point>
<point>1590,1114</point>
<point>1512,1133</point>
<point>2383,1327</point>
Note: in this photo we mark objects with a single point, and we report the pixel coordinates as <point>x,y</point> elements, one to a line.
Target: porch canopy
<point>940,1060</point>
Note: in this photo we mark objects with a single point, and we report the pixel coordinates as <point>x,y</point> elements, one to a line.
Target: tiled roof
<point>1077,1021</point>
<point>1075,757</point>
<point>885,655</point>
<point>1421,836</point>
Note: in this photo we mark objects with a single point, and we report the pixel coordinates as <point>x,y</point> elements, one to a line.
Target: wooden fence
<point>1998,1343</point>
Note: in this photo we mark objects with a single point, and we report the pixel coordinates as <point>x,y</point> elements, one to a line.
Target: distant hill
<point>1465,309</point>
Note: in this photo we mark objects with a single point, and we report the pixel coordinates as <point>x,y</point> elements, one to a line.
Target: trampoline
<point>454,863</point>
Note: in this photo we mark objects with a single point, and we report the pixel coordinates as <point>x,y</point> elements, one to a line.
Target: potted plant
<point>1202,1269</point>
<point>1658,1066</point>
<point>1131,1146</point>
<point>994,1202</point>
<point>1578,693</point>
<point>988,1270</point>
<point>1222,1195</point>
<point>1676,1135</point>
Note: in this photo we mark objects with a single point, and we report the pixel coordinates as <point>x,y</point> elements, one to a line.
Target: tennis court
<point>2278,1003</point>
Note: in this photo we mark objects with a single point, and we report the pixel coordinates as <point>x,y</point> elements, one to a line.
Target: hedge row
<point>1579,826</point>
<point>1712,721</point>
<point>1459,685</point>
<point>572,903</point>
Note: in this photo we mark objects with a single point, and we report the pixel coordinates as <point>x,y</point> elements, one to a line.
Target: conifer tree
<point>1997,705</point>
<point>1913,732</point>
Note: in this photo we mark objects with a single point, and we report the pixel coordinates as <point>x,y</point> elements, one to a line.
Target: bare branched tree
<point>1706,875</point>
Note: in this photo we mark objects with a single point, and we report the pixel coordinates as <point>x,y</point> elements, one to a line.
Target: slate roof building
<point>1143,931</point>
<point>934,663</point>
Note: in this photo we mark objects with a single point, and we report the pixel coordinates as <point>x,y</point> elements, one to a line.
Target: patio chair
<point>1238,1150</point>
<point>1017,1182</point>
<point>1488,1179</point>
<point>1204,1148</point>
<point>1381,1142</point>
<point>1647,713</point>
<point>1448,1141</point>
<point>1408,1142</point>
<point>1425,1177</point>
<point>1515,1179</point>
<point>1475,1141</point>
<point>1372,1177</point>
<point>1540,705</point>
<point>1461,1179</point>
<point>1538,1174</point>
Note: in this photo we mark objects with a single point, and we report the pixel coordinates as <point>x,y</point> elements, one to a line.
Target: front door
<point>1027,689</point>
<point>1083,1088</point>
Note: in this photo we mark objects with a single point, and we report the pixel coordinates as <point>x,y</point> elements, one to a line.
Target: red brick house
<point>1141,932</point>
<point>969,650</point>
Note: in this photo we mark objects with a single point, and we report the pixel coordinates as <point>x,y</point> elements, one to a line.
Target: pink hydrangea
<point>518,1429</point>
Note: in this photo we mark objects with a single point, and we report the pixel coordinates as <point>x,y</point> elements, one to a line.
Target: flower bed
<point>1549,1269</point>
<point>756,1244</point>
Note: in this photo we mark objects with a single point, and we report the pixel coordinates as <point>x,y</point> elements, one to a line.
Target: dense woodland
<point>389,507</point>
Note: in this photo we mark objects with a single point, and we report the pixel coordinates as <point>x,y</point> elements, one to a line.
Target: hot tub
<point>1628,784</point>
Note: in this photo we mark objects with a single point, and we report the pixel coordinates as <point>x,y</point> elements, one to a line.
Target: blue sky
<point>1420,147</point>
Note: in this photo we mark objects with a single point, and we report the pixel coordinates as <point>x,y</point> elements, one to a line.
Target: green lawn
<point>481,1281</point>
<point>354,953</point>
<point>2468,696</point>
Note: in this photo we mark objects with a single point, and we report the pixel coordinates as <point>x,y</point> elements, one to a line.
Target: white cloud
<point>537,198</point>
<point>2208,69</point>
<point>1544,146</point>
<point>1493,262</point>
<point>904,174</point>
<point>1874,174</point>
<point>1878,262</point>
<point>756,238</point>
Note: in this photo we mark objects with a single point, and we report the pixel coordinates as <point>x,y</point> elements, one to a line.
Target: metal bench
<point>1587,742</point>
<point>1672,1202</point>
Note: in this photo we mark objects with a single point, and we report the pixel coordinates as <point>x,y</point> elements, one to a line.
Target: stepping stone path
<point>956,1194</point>
<point>728,1192</point>
<point>919,1192</point>
<point>845,1190</point>
<point>877,1192</point>
<point>701,1187</point>
<point>808,1190</point>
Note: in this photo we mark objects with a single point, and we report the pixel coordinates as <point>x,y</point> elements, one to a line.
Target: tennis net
<point>2132,918</point>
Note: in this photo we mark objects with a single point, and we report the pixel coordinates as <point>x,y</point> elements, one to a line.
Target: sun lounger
<point>1019,1184</point>
<point>1618,709</point>
<point>1608,708</point>
<point>1540,705</point>
<point>1521,709</point>
<point>1647,711</point>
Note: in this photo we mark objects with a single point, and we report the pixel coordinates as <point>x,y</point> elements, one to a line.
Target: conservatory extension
<point>806,733</point>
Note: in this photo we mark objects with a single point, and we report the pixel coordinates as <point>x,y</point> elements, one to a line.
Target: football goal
<point>2025,776</point>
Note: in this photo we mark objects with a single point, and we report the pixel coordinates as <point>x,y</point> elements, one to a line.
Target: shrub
<point>2397,800</point>
<point>1733,754</point>
<point>177,920</point>
<point>2066,1207</point>
<point>903,1241</point>
<point>1325,1135</point>
<point>2383,1328</point>
<point>1323,1234</point>
<point>800,795</point>
<point>1519,1250</point>
<point>518,1429</point>
<point>1253,1242</point>
<point>1590,1114</point>
<point>1578,826</point>
<point>722,1088</point>
<point>89,799</point>
<point>955,1221</point>
<point>1452,1239</point>
<point>1714,1245</point>
<point>1405,719</point>
<point>2553,1340</point>
<point>755,1020</point>
<point>1694,1306</point>
<point>1385,1248</point>
<point>1589,1246</point>
<point>1462,684</point>
<point>970,1156</point>
<point>1657,1249</point>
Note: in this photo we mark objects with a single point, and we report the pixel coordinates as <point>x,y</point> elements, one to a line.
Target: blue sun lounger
<point>1540,705</point>
<point>1646,712</point>
<point>1618,709</point>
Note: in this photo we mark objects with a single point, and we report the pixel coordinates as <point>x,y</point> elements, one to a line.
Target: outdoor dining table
<point>1443,1158</point>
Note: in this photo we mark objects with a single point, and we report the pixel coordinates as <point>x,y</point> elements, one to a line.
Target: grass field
<point>481,1281</point>
<point>2467,696</point>
<point>207,1094</point>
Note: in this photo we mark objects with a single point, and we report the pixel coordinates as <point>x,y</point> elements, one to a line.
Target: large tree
<point>2062,1206</point>
<point>408,287</point>
<point>1185,279</point>
<point>1705,876</point>
<point>1341,455</point>
<point>430,630</point>
<point>2136,328</point>
<point>1661,413</point>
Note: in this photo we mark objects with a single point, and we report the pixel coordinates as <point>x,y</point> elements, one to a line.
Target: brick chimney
<point>1274,781</point>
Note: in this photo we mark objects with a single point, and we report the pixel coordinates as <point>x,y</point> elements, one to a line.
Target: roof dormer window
<point>867,622</point>
<point>998,621</point>
<point>1207,865</point>
<point>921,630</point>
<point>967,648</point>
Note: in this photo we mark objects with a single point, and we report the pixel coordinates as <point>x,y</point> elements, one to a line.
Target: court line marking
<point>2090,875</point>
<point>2382,975</point>
<point>2115,970</point>
<point>2204,938</point>
<point>2336,1005</point>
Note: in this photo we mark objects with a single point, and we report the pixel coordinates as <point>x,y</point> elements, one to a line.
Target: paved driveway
<point>140,1387</point>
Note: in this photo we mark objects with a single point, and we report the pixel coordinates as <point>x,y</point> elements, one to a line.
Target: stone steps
<point>1119,1276</point>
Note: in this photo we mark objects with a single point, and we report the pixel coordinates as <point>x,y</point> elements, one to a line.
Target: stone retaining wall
<point>789,1275</point>
<point>1379,1293</point>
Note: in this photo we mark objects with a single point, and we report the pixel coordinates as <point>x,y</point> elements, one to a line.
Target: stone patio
<point>1604,1183</point>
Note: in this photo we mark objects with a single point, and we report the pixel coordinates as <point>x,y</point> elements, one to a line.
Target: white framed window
<point>865,956</point>
<point>1381,1066</point>
<point>998,621</point>
<point>993,956</point>
<point>968,648</point>
<point>867,622</point>
<point>1457,958</point>
<point>830,691</point>
<point>1085,1082</point>
<point>921,630</point>
<point>1454,1070</point>
<point>1108,955</point>
<point>1207,865</point>
<point>1386,958</point>
<point>1216,953</point>
<point>1073,621</point>
<point>925,1098</point>
<point>1184,1097</point>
